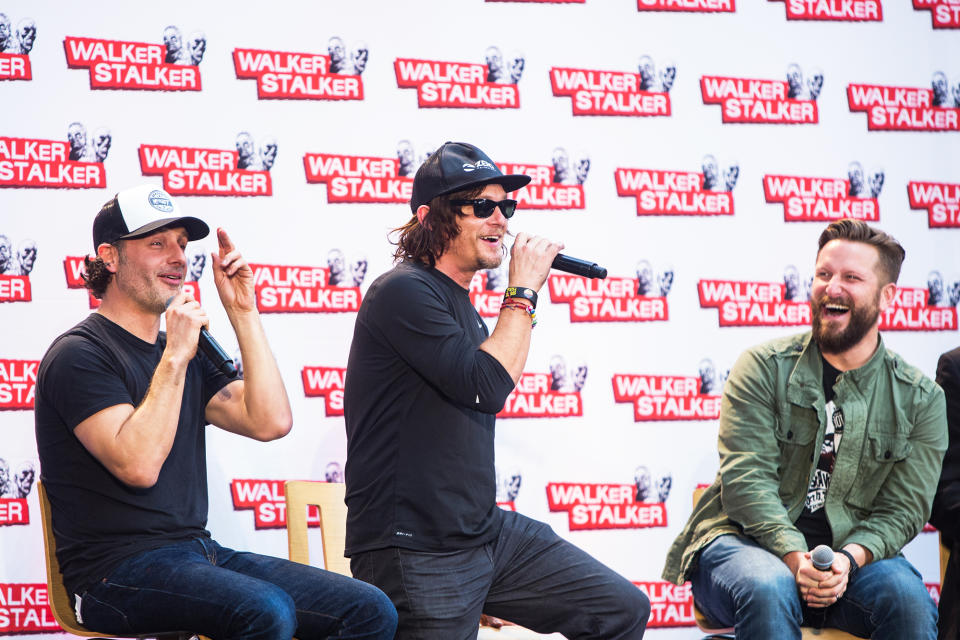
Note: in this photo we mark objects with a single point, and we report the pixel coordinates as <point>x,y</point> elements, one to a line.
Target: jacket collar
<point>804,385</point>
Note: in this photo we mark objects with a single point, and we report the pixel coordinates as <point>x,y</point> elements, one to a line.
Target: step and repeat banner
<point>695,148</point>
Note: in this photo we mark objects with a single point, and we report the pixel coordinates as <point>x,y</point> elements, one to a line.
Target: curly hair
<point>95,274</point>
<point>891,252</point>
<point>426,242</point>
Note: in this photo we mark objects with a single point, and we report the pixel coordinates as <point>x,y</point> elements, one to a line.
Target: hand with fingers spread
<point>233,276</point>
<point>530,260</point>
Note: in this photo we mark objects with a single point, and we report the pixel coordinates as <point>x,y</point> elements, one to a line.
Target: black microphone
<point>212,349</point>
<point>578,267</point>
<point>822,558</point>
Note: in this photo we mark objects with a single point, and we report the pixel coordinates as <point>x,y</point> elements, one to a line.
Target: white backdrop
<point>586,452</point>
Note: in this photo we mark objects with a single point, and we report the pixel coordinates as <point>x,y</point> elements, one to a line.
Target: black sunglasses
<point>483,207</point>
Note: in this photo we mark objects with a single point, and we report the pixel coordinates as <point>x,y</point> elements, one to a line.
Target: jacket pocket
<point>883,450</point>
<point>796,436</point>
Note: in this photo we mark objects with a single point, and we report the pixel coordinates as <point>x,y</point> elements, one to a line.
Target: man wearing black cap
<point>424,383</point>
<point>120,414</point>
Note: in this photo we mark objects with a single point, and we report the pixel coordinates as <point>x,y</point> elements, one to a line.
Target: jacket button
<point>886,455</point>
<point>789,435</point>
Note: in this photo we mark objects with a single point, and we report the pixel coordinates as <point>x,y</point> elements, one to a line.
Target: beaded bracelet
<point>522,307</point>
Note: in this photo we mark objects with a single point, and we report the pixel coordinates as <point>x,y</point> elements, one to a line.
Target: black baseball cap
<point>456,166</point>
<point>139,211</point>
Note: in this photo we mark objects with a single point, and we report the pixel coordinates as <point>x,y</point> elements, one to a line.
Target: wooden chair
<point>944,559</point>
<point>328,498</point>
<point>716,632</point>
<point>57,593</point>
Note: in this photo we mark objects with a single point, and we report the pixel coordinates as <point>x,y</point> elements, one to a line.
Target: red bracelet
<point>522,307</point>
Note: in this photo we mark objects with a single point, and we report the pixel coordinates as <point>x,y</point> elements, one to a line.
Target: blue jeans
<point>204,588</point>
<point>739,584</point>
<point>527,575</point>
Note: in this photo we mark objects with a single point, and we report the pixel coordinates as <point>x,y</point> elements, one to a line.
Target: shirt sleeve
<point>420,326</point>
<point>946,504</point>
<point>750,456</point>
<point>81,380</point>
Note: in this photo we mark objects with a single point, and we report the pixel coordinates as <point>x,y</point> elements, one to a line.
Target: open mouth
<point>172,279</point>
<point>835,310</point>
<point>494,240</point>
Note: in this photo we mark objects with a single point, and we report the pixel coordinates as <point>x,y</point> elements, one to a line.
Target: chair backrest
<point>944,559</point>
<point>328,497</point>
<point>56,592</point>
<point>696,495</point>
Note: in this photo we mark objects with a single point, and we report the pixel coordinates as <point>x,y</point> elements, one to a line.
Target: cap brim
<point>509,183</point>
<point>195,227</point>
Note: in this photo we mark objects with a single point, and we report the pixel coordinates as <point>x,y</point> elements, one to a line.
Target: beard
<point>862,319</point>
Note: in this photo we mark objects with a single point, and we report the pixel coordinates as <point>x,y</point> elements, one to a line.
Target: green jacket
<point>772,422</point>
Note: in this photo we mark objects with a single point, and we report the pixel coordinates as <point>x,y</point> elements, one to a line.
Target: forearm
<point>133,443</point>
<point>510,341</point>
<point>266,408</point>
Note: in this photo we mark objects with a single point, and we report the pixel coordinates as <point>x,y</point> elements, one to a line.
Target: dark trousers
<point>204,588</point>
<point>528,575</point>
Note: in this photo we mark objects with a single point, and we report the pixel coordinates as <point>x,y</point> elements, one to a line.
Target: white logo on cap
<point>160,201</point>
<point>480,164</point>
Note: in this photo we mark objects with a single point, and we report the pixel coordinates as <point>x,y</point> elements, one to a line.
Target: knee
<point>769,594</point>
<point>639,606</point>
<point>272,614</point>
<point>374,613</point>
<point>633,612</point>
<point>907,600</point>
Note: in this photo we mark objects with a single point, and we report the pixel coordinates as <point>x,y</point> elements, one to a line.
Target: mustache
<point>825,300</point>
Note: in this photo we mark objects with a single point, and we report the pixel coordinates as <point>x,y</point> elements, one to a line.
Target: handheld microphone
<point>822,557</point>
<point>578,267</point>
<point>212,349</point>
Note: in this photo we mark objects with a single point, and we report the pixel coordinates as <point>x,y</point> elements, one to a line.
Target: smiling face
<point>847,296</point>
<point>479,245</point>
<point>150,270</point>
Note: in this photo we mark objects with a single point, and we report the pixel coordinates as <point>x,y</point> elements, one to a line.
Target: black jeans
<point>528,575</point>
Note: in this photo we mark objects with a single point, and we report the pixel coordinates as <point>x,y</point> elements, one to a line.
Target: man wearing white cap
<point>120,414</point>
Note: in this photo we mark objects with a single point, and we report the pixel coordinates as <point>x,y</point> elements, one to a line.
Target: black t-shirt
<point>813,523</point>
<point>420,402</point>
<point>98,521</point>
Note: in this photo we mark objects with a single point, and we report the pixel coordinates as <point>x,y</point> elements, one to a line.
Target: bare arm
<point>257,406</point>
<point>530,260</point>
<point>133,443</point>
